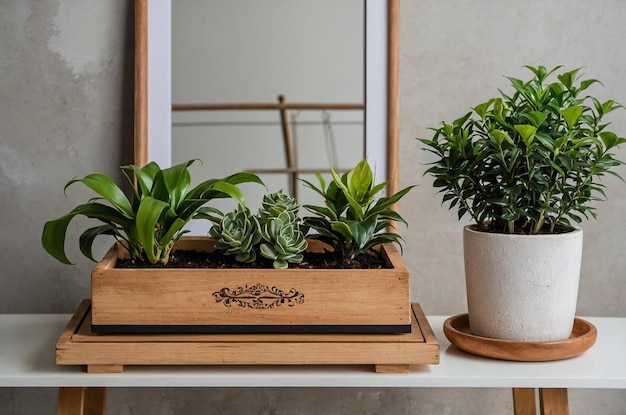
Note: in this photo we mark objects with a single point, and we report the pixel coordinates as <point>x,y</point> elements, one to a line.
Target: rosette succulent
<point>284,242</point>
<point>237,233</point>
<point>274,204</point>
<point>274,231</point>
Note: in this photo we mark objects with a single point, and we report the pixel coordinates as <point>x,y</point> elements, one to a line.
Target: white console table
<point>27,359</point>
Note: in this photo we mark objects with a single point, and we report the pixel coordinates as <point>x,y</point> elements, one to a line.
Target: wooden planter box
<point>134,300</point>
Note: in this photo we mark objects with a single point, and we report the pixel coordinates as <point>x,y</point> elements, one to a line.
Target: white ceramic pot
<point>522,287</point>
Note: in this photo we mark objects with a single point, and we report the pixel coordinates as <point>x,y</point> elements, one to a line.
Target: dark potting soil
<point>195,259</point>
<point>522,229</point>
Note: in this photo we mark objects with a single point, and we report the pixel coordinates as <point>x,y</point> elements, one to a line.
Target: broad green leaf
<point>177,180</point>
<point>172,231</point>
<point>587,83</point>
<point>568,78</point>
<point>362,232</point>
<point>360,180</point>
<point>54,232</point>
<point>321,210</point>
<point>105,187</point>
<point>499,136</point>
<point>391,215</point>
<point>344,230</point>
<point>481,109</point>
<point>148,214</point>
<point>87,237</point>
<point>572,115</point>
<point>210,213</point>
<point>377,188</point>
<point>243,177</point>
<point>527,132</point>
<point>145,176</point>
<point>384,203</point>
<point>536,118</point>
<point>610,105</point>
<point>609,139</point>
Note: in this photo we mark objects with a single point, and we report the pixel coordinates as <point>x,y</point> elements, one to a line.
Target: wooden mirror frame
<point>153,84</point>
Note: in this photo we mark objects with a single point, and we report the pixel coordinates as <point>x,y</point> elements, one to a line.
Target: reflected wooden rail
<point>291,169</point>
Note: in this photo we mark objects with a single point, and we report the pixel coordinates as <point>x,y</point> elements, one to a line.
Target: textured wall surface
<point>66,110</point>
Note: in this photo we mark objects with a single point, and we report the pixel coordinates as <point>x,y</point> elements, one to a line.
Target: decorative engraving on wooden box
<point>258,297</point>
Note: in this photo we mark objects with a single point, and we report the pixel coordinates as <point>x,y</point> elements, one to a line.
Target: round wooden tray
<point>457,330</point>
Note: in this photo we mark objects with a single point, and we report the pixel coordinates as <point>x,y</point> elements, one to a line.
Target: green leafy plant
<point>283,241</point>
<point>352,219</point>
<point>274,232</point>
<point>529,162</point>
<point>163,202</point>
<point>237,233</point>
<point>274,204</point>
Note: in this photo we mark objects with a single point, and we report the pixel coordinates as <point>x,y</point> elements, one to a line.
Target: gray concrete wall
<point>66,110</point>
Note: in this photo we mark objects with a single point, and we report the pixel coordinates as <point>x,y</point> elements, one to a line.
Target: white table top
<point>27,359</point>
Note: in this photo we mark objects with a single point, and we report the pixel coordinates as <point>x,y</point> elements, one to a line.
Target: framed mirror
<point>154,90</point>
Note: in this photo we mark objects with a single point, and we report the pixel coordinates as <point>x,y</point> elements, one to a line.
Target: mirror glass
<point>231,58</point>
<point>363,71</point>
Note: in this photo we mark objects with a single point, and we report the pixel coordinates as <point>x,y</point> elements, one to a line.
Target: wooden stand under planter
<point>250,300</point>
<point>109,353</point>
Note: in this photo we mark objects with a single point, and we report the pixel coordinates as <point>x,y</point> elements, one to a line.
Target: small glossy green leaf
<point>499,136</point>
<point>527,132</point>
<point>536,118</point>
<point>572,115</point>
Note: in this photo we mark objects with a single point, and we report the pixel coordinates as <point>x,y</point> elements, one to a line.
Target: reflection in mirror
<point>153,104</point>
<point>273,86</point>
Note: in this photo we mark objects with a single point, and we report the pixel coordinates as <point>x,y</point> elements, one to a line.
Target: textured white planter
<point>522,287</point>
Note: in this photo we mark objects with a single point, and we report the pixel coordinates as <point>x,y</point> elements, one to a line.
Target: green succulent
<point>163,202</point>
<point>353,219</point>
<point>274,204</point>
<point>237,233</point>
<point>284,242</point>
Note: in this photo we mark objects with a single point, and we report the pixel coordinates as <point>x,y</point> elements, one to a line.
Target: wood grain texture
<point>71,401</point>
<point>393,97</point>
<point>81,401</point>
<point>115,368</point>
<point>260,106</point>
<point>457,330</point>
<point>385,350</point>
<point>392,368</point>
<point>95,401</point>
<point>141,83</point>
<point>187,296</point>
<point>524,402</point>
<point>553,401</point>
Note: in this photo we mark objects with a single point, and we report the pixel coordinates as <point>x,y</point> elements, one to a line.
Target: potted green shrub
<point>270,288</point>
<point>525,167</point>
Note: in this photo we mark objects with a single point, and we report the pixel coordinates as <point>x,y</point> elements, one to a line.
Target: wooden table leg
<point>95,401</point>
<point>524,401</point>
<point>553,401</point>
<point>81,401</point>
